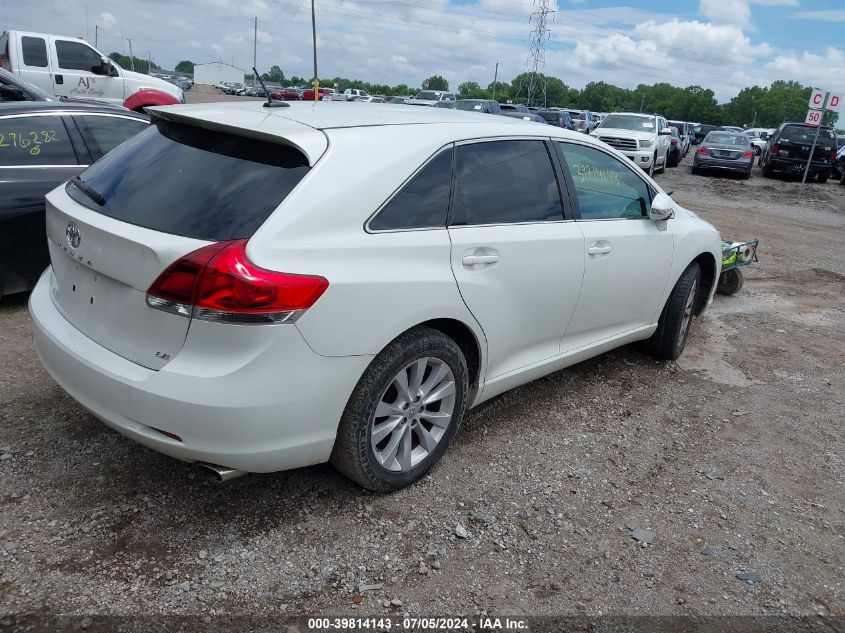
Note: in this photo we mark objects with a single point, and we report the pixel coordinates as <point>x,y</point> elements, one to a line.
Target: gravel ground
<point>620,486</point>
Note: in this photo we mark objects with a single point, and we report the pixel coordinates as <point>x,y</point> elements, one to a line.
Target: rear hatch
<point>166,192</point>
<point>796,140</point>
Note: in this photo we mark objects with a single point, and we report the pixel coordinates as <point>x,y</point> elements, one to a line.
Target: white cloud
<point>107,19</point>
<point>833,15</point>
<point>689,39</point>
<point>736,12</point>
<point>821,71</point>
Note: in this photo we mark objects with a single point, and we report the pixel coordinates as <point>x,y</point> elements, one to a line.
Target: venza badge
<point>72,235</point>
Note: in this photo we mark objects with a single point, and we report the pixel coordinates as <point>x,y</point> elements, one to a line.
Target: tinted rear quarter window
<point>35,141</point>
<point>423,201</point>
<point>199,183</point>
<point>804,134</point>
<point>502,182</point>
<point>34,51</point>
<point>103,133</point>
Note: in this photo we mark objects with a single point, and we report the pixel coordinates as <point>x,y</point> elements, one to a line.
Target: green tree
<point>275,75</point>
<point>599,96</point>
<point>141,65</point>
<point>499,90</point>
<point>185,66</point>
<point>471,90</point>
<point>436,82</point>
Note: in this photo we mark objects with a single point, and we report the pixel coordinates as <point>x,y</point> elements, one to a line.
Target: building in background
<point>214,72</point>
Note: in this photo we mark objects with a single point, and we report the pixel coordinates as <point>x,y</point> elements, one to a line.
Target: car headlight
<point>645,144</point>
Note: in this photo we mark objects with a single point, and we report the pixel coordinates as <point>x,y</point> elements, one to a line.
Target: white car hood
<point>140,81</point>
<point>620,133</point>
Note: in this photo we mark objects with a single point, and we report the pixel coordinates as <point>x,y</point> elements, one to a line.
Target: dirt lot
<point>733,457</point>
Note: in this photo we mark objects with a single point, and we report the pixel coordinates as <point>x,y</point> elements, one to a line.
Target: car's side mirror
<point>665,132</point>
<point>12,93</point>
<point>662,208</point>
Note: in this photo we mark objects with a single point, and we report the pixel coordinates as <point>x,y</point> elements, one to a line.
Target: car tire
<point>823,176</point>
<point>651,169</point>
<point>356,451</point>
<point>665,162</point>
<point>747,175</point>
<point>673,328</point>
<point>768,172</point>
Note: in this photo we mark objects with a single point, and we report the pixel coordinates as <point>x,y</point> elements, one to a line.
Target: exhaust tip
<point>220,473</point>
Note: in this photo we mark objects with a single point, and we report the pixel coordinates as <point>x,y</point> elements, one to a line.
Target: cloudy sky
<point>720,44</point>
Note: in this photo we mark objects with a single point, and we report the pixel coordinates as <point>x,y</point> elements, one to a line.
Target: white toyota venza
<point>257,288</point>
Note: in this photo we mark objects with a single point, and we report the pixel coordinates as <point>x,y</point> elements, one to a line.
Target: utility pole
<point>131,54</point>
<point>254,48</point>
<point>96,35</point>
<point>642,103</point>
<point>149,62</point>
<point>495,80</point>
<point>314,35</point>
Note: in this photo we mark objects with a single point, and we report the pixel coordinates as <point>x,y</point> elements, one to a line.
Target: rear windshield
<point>726,138</point>
<point>193,182</point>
<point>550,115</point>
<point>804,134</point>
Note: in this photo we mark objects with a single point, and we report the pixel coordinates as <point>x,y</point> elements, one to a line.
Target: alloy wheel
<point>413,414</point>
<point>688,308</point>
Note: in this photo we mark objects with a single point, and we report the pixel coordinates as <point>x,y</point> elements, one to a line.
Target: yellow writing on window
<point>30,141</point>
<point>590,173</point>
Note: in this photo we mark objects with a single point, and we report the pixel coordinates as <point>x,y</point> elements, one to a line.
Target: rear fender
<point>148,97</point>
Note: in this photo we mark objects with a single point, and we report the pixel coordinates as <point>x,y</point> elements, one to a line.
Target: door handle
<point>60,79</point>
<point>472,260</point>
<point>599,250</point>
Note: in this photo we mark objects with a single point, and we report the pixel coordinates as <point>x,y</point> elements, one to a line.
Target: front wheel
<point>404,411</point>
<point>673,328</point>
<point>653,163</point>
<point>665,163</point>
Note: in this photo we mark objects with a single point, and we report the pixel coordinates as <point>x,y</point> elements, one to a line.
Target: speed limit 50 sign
<point>814,117</point>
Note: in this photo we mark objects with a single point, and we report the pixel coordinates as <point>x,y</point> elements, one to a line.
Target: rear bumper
<point>744,165</point>
<point>797,165</point>
<point>258,406</point>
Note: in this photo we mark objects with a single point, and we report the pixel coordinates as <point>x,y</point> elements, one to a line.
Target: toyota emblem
<point>72,235</point>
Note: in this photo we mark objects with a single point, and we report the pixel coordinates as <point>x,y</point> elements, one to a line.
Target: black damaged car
<point>788,149</point>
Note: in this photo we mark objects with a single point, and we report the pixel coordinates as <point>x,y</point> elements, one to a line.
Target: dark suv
<point>700,130</point>
<point>788,148</point>
<point>560,118</point>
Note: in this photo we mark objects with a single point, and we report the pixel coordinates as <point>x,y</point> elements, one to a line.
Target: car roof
<point>320,115</point>
<point>30,107</point>
<point>308,125</point>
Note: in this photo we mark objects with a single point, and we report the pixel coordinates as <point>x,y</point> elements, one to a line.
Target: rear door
<point>165,192</point>
<point>516,257</point>
<point>78,72</point>
<point>33,62</point>
<point>627,257</point>
<point>36,155</point>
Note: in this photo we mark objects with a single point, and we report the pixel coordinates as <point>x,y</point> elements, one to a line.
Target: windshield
<point>804,134</point>
<point>629,122</point>
<point>469,105</point>
<point>427,95</point>
<point>721,138</point>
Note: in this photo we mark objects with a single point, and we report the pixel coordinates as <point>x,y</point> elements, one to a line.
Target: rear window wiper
<point>88,190</point>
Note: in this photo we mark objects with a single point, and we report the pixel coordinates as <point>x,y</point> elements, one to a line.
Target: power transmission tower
<point>533,81</point>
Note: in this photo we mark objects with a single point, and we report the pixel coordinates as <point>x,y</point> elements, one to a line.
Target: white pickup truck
<point>644,138</point>
<point>350,94</point>
<point>71,67</point>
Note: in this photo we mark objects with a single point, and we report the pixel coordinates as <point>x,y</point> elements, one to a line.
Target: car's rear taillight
<point>703,151</point>
<point>748,154</point>
<point>674,141</point>
<point>219,283</point>
<point>833,155</point>
<point>775,149</point>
